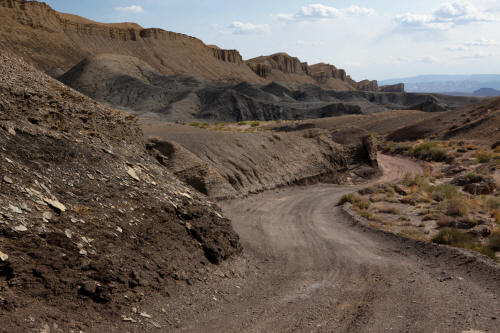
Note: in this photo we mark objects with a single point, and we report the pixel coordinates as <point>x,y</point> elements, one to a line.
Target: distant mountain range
<point>467,85</point>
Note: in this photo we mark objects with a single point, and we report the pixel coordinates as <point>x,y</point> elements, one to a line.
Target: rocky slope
<point>480,121</point>
<point>130,83</point>
<point>75,229</point>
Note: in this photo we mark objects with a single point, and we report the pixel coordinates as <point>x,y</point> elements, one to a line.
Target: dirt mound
<point>480,121</point>
<point>243,163</point>
<point>76,229</point>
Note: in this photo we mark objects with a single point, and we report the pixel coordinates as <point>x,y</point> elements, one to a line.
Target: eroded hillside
<point>87,216</point>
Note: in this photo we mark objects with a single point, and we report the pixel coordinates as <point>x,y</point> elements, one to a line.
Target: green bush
<point>242,123</point>
<point>429,151</point>
<point>255,124</point>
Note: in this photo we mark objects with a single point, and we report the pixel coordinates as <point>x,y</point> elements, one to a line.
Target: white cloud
<point>482,42</point>
<point>474,44</point>
<point>318,11</point>
<point>359,11</point>
<point>130,9</point>
<point>446,16</point>
<point>240,28</point>
<point>309,43</point>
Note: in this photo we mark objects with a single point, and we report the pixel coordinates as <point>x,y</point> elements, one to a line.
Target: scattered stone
<point>131,172</point>
<point>481,230</point>
<point>11,131</point>
<point>3,256</point>
<point>120,230</point>
<point>7,180</point>
<point>128,319</point>
<point>90,176</point>
<point>20,228</point>
<point>47,216</point>
<point>145,315</point>
<point>15,209</point>
<point>55,205</point>
<point>483,188</point>
<point>68,233</point>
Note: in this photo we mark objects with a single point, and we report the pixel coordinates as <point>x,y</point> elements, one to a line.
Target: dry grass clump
<point>457,206</point>
<point>444,191</point>
<point>456,238</point>
<point>444,221</point>
<point>355,200</point>
<point>483,156</point>
<point>388,210</point>
<point>369,216</point>
<point>494,241</point>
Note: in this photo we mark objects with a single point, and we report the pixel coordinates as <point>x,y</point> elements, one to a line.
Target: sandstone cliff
<point>54,42</point>
<point>282,67</point>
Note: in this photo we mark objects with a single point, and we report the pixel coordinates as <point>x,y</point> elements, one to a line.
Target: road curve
<point>320,273</point>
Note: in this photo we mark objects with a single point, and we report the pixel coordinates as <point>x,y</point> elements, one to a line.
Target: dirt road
<point>317,272</point>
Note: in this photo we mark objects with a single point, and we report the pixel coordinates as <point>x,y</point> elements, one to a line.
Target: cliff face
<point>232,56</point>
<point>322,72</point>
<point>282,62</point>
<point>283,67</point>
<point>55,42</point>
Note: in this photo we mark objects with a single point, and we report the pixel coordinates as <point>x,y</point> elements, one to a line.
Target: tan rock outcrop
<point>398,88</point>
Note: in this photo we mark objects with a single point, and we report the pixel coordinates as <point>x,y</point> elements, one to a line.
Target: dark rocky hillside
<point>131,84</point>
<point>89,220</point>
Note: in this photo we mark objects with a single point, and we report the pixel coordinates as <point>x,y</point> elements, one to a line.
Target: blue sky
<point>375,39</point>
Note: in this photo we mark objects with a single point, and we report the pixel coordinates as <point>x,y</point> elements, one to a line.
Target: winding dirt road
<point>318,272</point>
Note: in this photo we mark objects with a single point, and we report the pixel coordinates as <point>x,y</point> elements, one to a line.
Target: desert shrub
<point>483,156</point>
<point>492,203</point>
<point>355,201</point>
<point>388,210</point>
<point>242,123</point>
<point>429,151</point>
<point>453,237</point>
<point>194,124</point>
<point>494,241</point>
<point>411,180</point>
<point>461,150</point>
<point>369,216</point>
<point>471,147</point>
<point>444,191</point>
<point>438,155</point>
<point>457,206</point>
<point>444,221</point>
<point>255,124</point>
<point>496,216</point>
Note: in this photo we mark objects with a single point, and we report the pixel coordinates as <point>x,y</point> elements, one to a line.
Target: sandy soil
<point>317,272</point>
